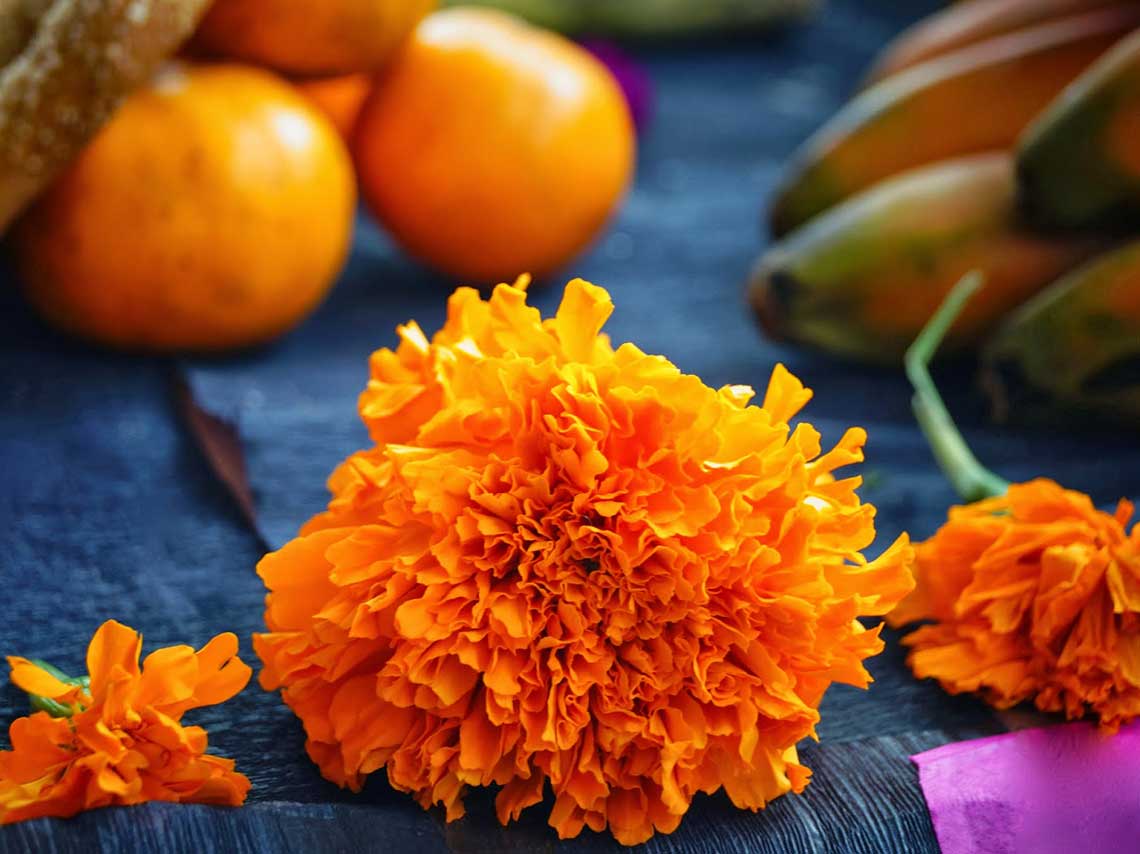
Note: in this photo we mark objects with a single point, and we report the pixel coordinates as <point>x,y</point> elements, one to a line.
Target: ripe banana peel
<point>862,279</point>
<point>969,23</point>
<point>976,99</point>
<point>1077,343</point>
<point>1079,163</point>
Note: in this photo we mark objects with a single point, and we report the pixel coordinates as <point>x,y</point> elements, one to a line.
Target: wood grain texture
<point>858,803</point>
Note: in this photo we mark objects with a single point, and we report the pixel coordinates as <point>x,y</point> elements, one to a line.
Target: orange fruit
<point>213,211</point>
<point>339,98</point>
<point>311,36</point>
<point>490,147</point>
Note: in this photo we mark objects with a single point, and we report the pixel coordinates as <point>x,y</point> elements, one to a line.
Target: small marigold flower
<point>1034,593</point>
<point>114,737</point>
<point>564,563</point>
<point>1036,596</point>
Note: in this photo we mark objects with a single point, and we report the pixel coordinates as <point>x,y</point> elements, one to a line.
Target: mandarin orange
<point>304,37</point>
<point>490,147</point>
<point>214,211</point>
<point>339,98</point>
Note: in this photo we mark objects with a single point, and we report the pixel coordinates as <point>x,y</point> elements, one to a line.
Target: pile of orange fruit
<point>216,209</point>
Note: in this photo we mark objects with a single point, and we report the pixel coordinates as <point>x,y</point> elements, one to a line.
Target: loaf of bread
<point>66,65</point>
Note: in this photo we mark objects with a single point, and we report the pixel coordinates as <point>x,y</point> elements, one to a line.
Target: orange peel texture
<point>564,563</point>
<point>1035,596</point>
<point>123,742</point>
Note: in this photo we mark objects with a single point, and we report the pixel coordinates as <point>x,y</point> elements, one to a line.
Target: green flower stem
<point>970,479</point>
<point>53,707</point>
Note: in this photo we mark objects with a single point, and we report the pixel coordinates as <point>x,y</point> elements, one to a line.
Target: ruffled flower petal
<point>123,742</point>
<point>112,655</point>
<point>572,568</point>
<point>1035,595</point>
<point>33,679</point>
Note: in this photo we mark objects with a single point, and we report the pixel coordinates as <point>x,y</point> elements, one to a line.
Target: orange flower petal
<point>40,743</point>
<point>34,680</point>
<point>115,648</point>
<point>572,565</point>
<point>1036,597</point>
<point>221,674</point>
<point>169,676</point>
<point>125,743</point>
<point>785,396</point>
<point>584,311</point>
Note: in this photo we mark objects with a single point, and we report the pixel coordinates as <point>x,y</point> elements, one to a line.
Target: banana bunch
<point>997,135</point>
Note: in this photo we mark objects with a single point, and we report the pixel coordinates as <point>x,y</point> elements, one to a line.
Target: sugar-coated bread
<point>66,65</point>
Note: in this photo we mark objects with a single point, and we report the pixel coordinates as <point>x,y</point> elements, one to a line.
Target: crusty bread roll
<point>17,22</point>
<point>68,65</point>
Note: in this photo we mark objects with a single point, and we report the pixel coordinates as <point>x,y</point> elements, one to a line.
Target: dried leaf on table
<point>220,443</point>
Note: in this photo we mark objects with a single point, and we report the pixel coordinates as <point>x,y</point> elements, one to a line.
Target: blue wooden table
<point>108,509</point>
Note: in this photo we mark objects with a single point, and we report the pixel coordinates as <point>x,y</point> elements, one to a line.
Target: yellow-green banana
<point>1079,164</point>
<point>1077,343</point>
<point>976,99</point>
<point>863,279</point>
<point>969,23</point>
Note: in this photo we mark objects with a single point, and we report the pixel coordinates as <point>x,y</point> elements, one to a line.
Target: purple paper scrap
<point>1069,788</point>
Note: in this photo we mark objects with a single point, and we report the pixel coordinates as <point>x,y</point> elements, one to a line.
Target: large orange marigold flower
<point>1036,596</point>
<point>115,736</point>
<point>564,562</point>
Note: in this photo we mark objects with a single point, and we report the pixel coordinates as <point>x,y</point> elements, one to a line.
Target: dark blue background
<point>109,510</point>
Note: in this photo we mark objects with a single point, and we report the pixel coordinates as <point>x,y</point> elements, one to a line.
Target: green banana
<point>964,24</point>
<point>863,278</point>
<point>1077,343</point>
<point>1079,163</point>
<point>978,98</point>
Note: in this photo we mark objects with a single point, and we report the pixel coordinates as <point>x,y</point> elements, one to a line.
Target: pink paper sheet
<point>1065,789</point>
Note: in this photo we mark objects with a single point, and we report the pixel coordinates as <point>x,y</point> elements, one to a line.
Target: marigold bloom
<point>1035,593</point>
<point>119,741</point>
<point>1036,596</point>
<point>564,562</point>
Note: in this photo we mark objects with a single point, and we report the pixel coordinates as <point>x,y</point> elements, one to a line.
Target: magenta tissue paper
<point>1064,789</point>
